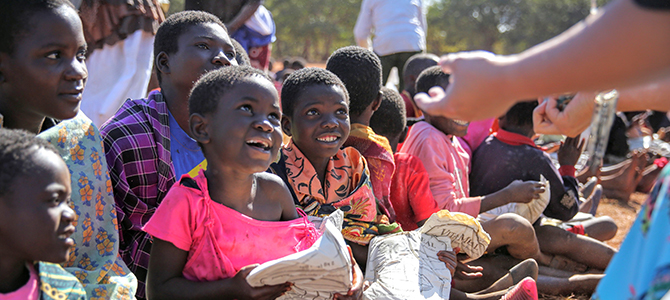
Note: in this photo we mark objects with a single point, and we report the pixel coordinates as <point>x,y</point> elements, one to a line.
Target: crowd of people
<point>182,193</point>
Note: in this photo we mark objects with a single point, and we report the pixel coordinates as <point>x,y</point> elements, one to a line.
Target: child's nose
<point>221,59</point>
<point>264,125</point>
<point>330,121</point>
<point>67,214</point>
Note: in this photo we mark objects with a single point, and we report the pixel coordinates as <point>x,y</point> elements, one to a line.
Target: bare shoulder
<point>272,188</point>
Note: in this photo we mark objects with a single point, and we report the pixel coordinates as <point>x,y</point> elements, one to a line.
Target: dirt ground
<point>623,214</point>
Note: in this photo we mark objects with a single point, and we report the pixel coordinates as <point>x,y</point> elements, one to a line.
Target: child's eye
<point>81,56</point>
<point>312,112</point>
<point>342,112</point>
<point>274,116</point>
<point>230,55</point>
<point>245,108</point>
<point>202,46</point>
<point>53,55</point>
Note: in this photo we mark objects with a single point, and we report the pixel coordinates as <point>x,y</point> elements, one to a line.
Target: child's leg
<point>577,284</point>
<point>601,228</point>
<point>581,249</point>
<point>518,235</point>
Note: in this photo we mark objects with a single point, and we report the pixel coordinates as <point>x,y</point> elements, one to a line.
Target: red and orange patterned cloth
<point>347,187</point>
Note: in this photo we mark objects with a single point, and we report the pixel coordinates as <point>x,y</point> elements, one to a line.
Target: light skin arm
<point>620,46</point>
<point>165,279</point>
<point>245,13</point>
<point>363,26</point>
<point>576,116</point>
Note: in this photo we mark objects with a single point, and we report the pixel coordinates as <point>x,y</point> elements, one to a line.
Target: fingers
<point>244,272</point>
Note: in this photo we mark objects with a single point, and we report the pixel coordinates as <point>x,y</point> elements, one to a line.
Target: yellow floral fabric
<point>94,259</point>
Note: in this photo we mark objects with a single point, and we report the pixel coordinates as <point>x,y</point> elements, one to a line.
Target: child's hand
<point>524,191</point>
<point>246,291</point>
<point>449,260</point>
<point>356,290</point>
<point>570,150</point>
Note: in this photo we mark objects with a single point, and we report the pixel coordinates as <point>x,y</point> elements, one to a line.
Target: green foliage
<point>314,29</point>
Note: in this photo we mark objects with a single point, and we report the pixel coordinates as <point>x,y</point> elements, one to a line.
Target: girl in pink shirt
<point>211,229</point>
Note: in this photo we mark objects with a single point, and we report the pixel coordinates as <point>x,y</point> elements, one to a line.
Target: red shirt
<point>410,191</point>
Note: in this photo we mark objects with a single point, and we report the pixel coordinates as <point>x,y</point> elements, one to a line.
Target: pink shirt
<point>447,164</point>
<point>220,240</point>
<point>478,131</point>
<point>29,291</point>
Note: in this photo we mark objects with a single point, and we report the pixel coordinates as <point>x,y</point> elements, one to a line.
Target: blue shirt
<point>186,154</point>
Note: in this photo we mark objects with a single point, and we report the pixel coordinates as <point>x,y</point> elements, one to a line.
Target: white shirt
<point>399,25</point>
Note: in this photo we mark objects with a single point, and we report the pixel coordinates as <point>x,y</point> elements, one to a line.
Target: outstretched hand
<point>474,89</point>
<point>247,292</point>
<point>571,121</point>
<point>570,150</point>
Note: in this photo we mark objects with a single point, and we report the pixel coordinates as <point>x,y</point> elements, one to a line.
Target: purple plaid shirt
<point>137,148</point>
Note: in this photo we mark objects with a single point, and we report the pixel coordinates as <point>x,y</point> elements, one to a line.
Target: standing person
<point>120,35</point>
<point>399,32</point>
<point>247,21</point>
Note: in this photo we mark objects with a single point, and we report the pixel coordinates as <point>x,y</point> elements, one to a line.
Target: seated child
<point>322,176</point>
<point>147,142</point>
<point>413,67</point>
<point>510,155</point>
<point>206,226</point>
<point>43,50</point>
<point>410,188</point>
<point>35,220</point>
<point>361,72</point>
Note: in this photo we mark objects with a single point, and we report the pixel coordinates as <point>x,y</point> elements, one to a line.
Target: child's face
<point>245,130</point>
<point>45,74</point>
<point>448,126</point>
<point>35,219</point>
<point>202,48</point>
<point>320,122</point>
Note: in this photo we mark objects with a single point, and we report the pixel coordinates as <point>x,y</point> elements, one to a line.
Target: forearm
<point>622,45</point>
<point>652,95</point>
<point>182,288</point>
<point>494,200</point>
<point>245,13</point>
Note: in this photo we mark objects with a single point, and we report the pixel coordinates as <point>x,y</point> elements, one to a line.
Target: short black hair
<point>209,89</point>
<point>299,80</point>
<point>431,77</point>
<point>169,32</point>
<point>241,55</point>
<point>361,71</point>
<point>298,63</point>
<point>416,63</point>
<point>16,150</point>
<point>390,119</point>
<point>15,18</point>
<point>521,114</point>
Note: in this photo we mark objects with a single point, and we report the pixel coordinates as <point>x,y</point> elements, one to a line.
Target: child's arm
<point>165,279</point>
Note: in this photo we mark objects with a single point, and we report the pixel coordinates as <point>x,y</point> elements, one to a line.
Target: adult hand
<point>569,152</point>
<point>356,290</point>
<point>247,292</point>
<point>474,92</point>
<point>575,117</point>
<point>524,191</point>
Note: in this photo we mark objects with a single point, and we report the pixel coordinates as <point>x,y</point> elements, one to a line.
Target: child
<point>35,220</point>
<point>360,70</point>
<point>204,229</point>
<point>413,67</point>
<point>322,176</point>
<point>147,142</point>
<point>42,53</point>
<point>410,188</point>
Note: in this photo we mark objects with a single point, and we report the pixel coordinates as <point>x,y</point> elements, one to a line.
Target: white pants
<point>116,73</point>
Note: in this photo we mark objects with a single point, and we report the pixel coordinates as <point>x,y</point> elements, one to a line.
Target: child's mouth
<point>461,122</point>
<point>264,145</point>
<point>328,139</point>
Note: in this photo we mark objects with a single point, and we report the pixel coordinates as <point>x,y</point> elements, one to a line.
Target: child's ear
<point>286,125</point>
<point>198,125</point>
<point>377,102</point>
<point>403,135</point>
<point>162,63</point>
